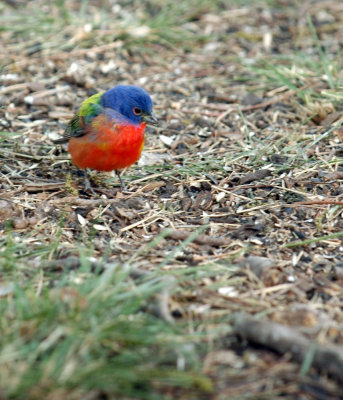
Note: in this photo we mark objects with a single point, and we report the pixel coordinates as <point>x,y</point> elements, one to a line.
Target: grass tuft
<point>92,333</point>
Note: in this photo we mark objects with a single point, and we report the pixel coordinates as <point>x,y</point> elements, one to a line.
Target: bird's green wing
<point>89,109</point>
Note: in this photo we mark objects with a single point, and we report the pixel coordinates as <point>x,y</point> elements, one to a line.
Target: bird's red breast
<point>106,145</point>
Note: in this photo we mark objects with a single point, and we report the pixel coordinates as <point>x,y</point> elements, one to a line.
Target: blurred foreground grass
<point>88,334</point>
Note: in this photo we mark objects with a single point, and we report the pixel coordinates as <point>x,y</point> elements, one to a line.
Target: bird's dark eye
<point>137,111</point>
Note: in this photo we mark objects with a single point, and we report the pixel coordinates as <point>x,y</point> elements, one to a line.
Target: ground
<point>218,273</point>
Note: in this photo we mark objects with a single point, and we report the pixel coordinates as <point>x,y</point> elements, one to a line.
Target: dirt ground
<point>238,194</point>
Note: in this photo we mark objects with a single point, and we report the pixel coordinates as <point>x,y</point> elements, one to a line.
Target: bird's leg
<point>88,185</point>
<point>122,184</point>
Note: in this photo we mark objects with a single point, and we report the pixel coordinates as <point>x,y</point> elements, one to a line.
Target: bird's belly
<point>108,150</point>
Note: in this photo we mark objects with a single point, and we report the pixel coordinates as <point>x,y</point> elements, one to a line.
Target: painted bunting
<point>107,133</point>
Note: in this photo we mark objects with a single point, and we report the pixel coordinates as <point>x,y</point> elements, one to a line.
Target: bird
<point>107,132</point>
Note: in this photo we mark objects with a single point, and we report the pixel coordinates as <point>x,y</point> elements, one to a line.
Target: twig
<point>275,100</point>
<point>77,201</point>
<point>13,88</point>
<point>32,98</point>
<point>318,202</point>
<point>34,188</point>
<point>284,339</point>
<point>201,239</point>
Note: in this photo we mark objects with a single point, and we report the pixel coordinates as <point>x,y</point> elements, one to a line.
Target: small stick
<point>285,339</point>
<point>201,239</point>
<point>318,202</point>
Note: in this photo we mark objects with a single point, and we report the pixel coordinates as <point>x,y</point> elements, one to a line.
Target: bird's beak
<point>150,119</point>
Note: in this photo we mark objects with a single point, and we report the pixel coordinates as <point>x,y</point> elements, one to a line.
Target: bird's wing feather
<point>89,109</point>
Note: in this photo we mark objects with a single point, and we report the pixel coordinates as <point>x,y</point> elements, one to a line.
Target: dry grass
<point>235,206</point>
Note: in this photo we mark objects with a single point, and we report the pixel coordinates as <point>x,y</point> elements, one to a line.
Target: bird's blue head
<point>131,101</point>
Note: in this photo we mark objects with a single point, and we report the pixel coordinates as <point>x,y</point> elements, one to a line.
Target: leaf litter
<point>237,197</point>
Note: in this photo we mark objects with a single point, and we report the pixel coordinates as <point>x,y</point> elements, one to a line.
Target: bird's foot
<point>88,187</point>
<point>87,184</point>
<point>123,187</point>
